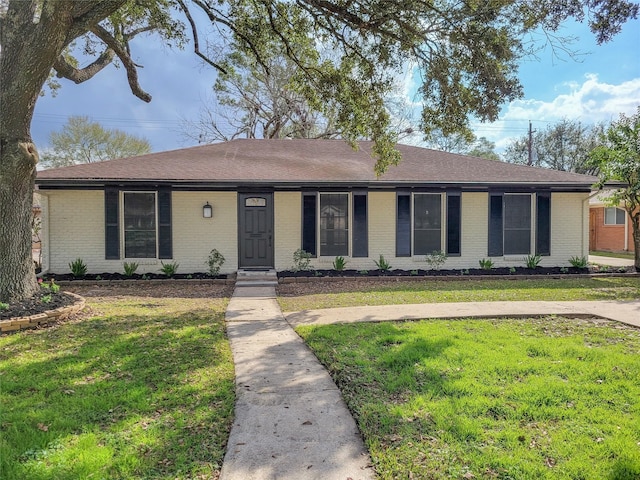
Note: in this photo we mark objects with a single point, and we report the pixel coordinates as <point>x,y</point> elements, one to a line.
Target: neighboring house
<point>610,228</point>
<point>270,198</point>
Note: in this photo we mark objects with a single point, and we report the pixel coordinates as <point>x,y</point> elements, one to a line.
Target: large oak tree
<point>467,52</point>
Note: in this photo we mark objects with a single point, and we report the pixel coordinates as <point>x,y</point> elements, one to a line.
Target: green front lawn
<point>354,293</point>
<point>625,255</point>
<point>141,388</point>
<point>506,399</point>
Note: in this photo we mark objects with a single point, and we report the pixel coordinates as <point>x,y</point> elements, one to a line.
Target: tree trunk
<point>17,173</point>
<point>636,240</point>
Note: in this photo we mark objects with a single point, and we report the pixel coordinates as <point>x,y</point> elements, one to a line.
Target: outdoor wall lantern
<point>207,211</point>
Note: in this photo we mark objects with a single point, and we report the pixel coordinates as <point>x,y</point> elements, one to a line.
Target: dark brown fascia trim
<point>51,184</point>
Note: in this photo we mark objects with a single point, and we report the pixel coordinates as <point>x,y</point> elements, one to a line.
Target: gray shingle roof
<point>300,162</point>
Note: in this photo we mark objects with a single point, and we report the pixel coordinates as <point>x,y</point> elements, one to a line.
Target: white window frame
<point>443,220</point>
<point>123,248</point>
<point>349,223</point>
<point>616,216</point>
<point>532,226</point>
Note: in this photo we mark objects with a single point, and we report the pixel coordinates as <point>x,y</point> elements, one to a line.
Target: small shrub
<point>4,306</point>
<point>339,263</point>
<point>564,270</point>
<point>512,270</point>
<point>46,298</point>
<point>317,273</point>
<point>78,268</point>
<point>382,264</point>
<point>189,277</point>
<point>215,262</point>
<point>414,272</point>
<point>579,262</point>
<point>169,269</point>
<point>464,272</point>
<point>51,286</point>
<point>363,272</point>
<point>130,268</point>
<point>98,277</point>
<point>486,264</point>
<point>436,259</point>
<point>532,261</point>
<point>301,260</point>
<point>145,277</point>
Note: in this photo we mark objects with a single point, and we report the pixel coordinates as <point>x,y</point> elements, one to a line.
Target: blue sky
<point>598,87</point>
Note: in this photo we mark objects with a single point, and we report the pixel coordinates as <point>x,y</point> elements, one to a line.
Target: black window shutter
<point>543,224</point>
<point>309,223</point>
<point>360,229</point>
<point>403,225</point>
<point>111,224</point>
<point>454,214</point>
<point>165,243</point>
<point>495,225</point>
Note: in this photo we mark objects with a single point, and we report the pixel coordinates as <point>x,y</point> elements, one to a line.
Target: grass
<point>142,388</point>
<point>438,291</point>
<point>625,255</point>
<point>519,399</point>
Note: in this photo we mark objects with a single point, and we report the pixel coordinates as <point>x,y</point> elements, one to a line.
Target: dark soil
<point>136,276</point>
<point>40,303</point>
<point>448,273</point>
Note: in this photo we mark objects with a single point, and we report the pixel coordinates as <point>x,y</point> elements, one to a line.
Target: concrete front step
<point>256,278</point>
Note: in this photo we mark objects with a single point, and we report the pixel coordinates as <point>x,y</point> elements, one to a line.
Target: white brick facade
<point>74,227</point>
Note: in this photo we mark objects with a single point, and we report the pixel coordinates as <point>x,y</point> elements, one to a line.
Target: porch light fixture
<point>207,211</point>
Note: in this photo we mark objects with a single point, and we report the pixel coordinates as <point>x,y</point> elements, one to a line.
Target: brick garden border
<point>23,323</point>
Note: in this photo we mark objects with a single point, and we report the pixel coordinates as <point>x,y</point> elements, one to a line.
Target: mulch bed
<point>40,303</point>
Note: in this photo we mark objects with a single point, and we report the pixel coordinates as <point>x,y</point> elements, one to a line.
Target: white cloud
<point>589,102</point>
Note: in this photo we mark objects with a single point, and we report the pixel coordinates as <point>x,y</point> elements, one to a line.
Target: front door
<point>255,230</point>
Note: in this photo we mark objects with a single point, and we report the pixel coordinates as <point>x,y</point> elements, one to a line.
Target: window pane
<point>620,213</point>
<point>427,219</point>
<point>334,224</point>
<point>139,225</point>
<point>517,224</point>
<point>609,216</point>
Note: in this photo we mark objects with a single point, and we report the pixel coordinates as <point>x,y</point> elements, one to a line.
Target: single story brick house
<point>610,228</point>
<point>258,201</point>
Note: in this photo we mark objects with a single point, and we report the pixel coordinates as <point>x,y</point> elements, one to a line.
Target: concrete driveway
<point>613,262</point>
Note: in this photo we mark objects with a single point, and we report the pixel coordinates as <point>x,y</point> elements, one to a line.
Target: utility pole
<point>530,145</point>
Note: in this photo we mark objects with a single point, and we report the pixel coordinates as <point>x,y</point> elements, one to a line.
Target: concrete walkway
<point>290,419</point>
<point>622,311</point>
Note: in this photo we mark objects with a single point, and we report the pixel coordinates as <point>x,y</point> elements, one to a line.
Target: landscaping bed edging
<point>23,323</point>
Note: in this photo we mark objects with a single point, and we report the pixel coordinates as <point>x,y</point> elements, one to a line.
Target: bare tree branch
<point>129,65</point>
<point>196,41</point>
<point>78,75</point>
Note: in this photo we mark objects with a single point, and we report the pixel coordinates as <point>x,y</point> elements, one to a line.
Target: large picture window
<point>140,235</point>
<point>334,224</point>
<point>428,222</point>
<point>511,224</point>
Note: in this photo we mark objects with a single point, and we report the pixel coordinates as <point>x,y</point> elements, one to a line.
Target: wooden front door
<point>255,230</point>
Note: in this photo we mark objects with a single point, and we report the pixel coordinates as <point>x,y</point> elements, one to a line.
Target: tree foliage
<point>618,160</point>
<point>84,141</point>
<point>252,100</point>
<point>563,146</point>
<point>467,53</point>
